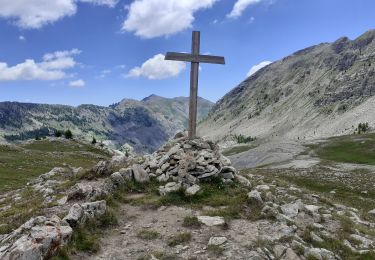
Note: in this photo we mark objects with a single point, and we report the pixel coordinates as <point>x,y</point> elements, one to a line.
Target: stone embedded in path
<point>217,241</point>
<point>211,221</point>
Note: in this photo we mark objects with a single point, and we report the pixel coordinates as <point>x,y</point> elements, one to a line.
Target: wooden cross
<point>195,58</point>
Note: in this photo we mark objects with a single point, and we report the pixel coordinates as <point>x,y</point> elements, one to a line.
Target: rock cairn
<point>186,163</point>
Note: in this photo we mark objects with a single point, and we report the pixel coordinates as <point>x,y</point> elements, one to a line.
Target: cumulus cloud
<point>240,6</point>
<point>33,14</point>
<point>110,3</point>
<point>77,83</point>
<point>257,67</point>
<point>22,38</point>
<point>154,18</point>
<point>52,67</point>
<point>157,68</point>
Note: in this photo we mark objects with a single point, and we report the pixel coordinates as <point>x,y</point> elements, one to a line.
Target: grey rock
<point>140,175</point>
<point>169,187</point>
<point>127,173</point>
<point>75,215</point>
<point>102,169</point>
<point>192,190</point>
<point>291,209</point>
<point>217,241</point>
<point>254,197</point>
<point>79,191</point>
<point>117,179</point>
<point>244,181</point>
<point>211,221</point>
<point>94,209</point>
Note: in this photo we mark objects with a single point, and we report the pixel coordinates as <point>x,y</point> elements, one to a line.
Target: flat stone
<point>311,208</point>
<point>193,190</point>
<point>169,187</point>
<point>211,221</point>
<point>217,241</point>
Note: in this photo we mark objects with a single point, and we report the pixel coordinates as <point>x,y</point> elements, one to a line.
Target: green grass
<point>20,164</point>
<point>30,205</point>
<point>348,149</point>
<point>238,149</point>
<point>146,234</point>
<point>191,222</point>
<point>179,239</point>
<point>344,194</point>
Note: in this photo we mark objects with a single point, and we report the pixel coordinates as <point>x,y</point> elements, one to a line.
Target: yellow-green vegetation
<point>19,164</point>
<point>147,234</point>
<point>349,149</point>
<point>179,239</point>
<point>213,193</point>
<point>344,194</point>
<point>238,149</point>
<point>215,250</point>
<point>86,238</point>
<point>29,205</point>
<point>191,222</point>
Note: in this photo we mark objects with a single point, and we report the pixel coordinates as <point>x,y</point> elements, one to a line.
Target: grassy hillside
<point>348,149</point>
<point>19,164</point>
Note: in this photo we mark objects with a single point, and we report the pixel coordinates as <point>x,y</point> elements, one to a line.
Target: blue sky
<point>101,51</point>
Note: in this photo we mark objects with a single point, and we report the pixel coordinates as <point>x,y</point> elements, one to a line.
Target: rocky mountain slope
<point>145,124</point>
<point>321,91</point>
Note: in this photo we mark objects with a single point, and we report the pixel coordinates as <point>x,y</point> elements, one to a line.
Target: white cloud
<point>110,3</point>
<point>157,68</point>
<point>52,67</point>
<point>104,73</point>
<point>77,83</point>
<point>22,38</point>
<point>257,67</point>
<point>154,18</point>
<point>241,6</point>
<point>33,14</point>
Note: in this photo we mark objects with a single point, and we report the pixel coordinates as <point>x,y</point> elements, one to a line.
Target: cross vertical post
<point>195,58</point>
<point>193,105</point>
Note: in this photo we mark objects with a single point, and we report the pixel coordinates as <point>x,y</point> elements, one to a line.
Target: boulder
<point>79,191</point>
<point>192,190</point>
<point>140,175</point>
<point>244,181</point>
<point>102,169</point>
<point>75,215</point>
<point>127,173</point>
<point>94,209</point>
<point>372,212</point>
<point>254,197</point>
<point>117,179</point>
<point>291,209</point>
<point>169,187</point>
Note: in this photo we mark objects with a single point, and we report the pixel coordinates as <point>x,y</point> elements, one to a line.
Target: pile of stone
<point>188,162</point>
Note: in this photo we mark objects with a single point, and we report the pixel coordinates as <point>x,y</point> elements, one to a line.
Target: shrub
<point>93,140</point>
<point>363,127</point>
<point>179,238</point>
<point>68,134</point>
<point>58,133</point>
<point>148,234</point>
<point>241,139</point>
<point>191,222</point>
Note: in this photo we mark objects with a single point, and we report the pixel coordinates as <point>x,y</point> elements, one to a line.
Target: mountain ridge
<point>145,125</point>
<point>320,91</point>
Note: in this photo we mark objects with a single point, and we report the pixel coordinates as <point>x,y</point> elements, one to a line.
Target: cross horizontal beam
<point>177,56</point>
